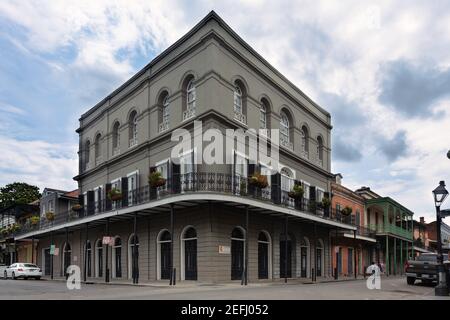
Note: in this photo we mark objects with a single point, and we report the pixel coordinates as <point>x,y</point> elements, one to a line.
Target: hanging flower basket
<point>258,180</point>
<point>347,211</point>
<point>296,192</point>
<point>34,220</point>
<point>326,203</point>
<point>155,179</point>
<point>50,216</point>
<point>77,208</point>
<point>115,194</point>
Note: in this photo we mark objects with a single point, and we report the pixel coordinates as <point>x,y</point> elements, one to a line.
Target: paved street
<point>392,288</point>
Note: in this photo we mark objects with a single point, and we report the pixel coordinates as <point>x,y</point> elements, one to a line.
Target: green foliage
<point>18,193</point>
<point>347,211</point>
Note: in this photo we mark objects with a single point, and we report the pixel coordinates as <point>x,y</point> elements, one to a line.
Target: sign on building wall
<point>52,249</point>
<point>224,249</point>
<point>108,240</point>
<point>56,252</point>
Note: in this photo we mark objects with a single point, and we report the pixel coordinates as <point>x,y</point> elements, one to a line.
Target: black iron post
<point>171,245</point>
<point>354,253</point>
<point>135,258</point>
<point>286,249</point>
<point>336,269</point>
<point>51,255</point>
<point>32,249</point>
<point>64,256</point>
<point>85,253</point>
<point>246,246</point>
<point>106,253</point>
<point>314,271</point>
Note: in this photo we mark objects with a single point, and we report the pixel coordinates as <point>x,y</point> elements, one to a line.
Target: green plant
<point>50,216</point>
<point>77,207</point>
<point>14,227</point>
<point>242,188</point>
<point>4,231</point>
<point>115,194</point>
<point>326,202</point>
<point>34,220</point>
<point>296,192</point>
<point>155,179</point>
<point>258,180</point>
<point>347,211</point>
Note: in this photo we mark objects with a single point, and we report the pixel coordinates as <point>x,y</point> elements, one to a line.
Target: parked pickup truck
<point>424,267</point>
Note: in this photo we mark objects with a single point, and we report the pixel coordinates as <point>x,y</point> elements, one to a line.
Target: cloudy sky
<point>381,69</point>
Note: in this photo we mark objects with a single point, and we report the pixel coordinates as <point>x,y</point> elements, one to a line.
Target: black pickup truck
<point>424,268</point>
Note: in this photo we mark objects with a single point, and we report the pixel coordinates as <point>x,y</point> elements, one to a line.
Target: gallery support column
<point>246,245</point>
<point>172,269</point>
<point>51,255</point>
<point>386,258</point>
<point>286,248</point>
<point>106,253</point>
<point>135,270</point>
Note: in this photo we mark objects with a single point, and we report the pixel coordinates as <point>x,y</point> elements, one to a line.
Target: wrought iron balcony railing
<point>205,182</point>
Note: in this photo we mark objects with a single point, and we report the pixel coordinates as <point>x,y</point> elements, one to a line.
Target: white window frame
<point>262,116</point>
<point>130,195</point>
<point>97,201</point>
<point>119,186</point>
<point>191,92</point>
<point>306,185</point>
<point>189,152</point>
<point>237,99</point>
<point>159,164</point>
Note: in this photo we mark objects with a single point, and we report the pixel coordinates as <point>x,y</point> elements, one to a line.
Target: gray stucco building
<point>205,222</point>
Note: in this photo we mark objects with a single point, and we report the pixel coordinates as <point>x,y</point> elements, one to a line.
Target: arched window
<point>319,149</point>
<point>189,254</point>
<point>67,257</point>
<point>116,137</point>
<point>164,255</point>
<point>132,125</point>
<point>97,148</point>
<point>117,258</point>
<point>99,258</point>
<point>191,95</point>
<point>287,182</point>
<point>285,131</point>
<point>237,99</point>
<point>305,142</point>
<point>264,256</point>
<point>237,253</point>
<point>263,116</point>
<point>88,256</point>
<point>319,257</point>
<point>87,153</point>
<point>304,257</point>
<point>165,111</point>
<point>133,257</point>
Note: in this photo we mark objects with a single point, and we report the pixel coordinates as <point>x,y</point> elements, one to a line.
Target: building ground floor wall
<point>209,245</point>
<point>350,257</point>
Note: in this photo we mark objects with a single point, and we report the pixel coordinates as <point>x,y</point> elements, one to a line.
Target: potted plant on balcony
<point>258,180</point>
<point>50,216</point>
<point>296,192</point>
<point>77,208</point>
<point>155,179</point>
<point>347,211</point>
<point>243,187</point>
<point>4,231</point>
<point>34,220</point>
<point>14,227</point>
<point>114,194</point>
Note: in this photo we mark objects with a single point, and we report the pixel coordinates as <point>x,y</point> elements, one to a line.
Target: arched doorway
<point>133,263</point>
<point>88,249</point>
<point>264,255</point>
<point>164,254</point>
<point>319,257</point>
<point>117,258</point>
<point>285,257</point>
<point>304,257</point>
<point>99,258</point>
<point>237,253</point>
<point>67,257</point>
<point>189,254</point>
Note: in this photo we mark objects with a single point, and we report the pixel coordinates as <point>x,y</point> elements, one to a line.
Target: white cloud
<point>38,163</point>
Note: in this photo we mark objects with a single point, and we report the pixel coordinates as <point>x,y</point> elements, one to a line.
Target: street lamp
<point>440,194</point>
<point>448,154</point>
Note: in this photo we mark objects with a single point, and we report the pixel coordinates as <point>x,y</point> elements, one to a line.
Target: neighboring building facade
<point>393,224</point>
<point>421,237</point>
<point>352,251</point>
<point>445,236</point>
<point>205,222</point>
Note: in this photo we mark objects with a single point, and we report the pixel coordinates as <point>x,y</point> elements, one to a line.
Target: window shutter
<point>90,202</point>
<point>108,203</point>
<point>233,173</point>
<point>298,202</point>
<point>81,202</point>
<point>251,169</point>
<point>176,183</point>
<point>276,188</point>
<point>124,190</point>
<point>100,202</point>
<point>312,199</point>
<point>152,193</point>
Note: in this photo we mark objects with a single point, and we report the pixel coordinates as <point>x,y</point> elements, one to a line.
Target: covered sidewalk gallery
<point>183,237</point>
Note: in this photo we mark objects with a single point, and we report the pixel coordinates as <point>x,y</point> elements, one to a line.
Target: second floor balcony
<point>198,186</point>
<point>391,229</point>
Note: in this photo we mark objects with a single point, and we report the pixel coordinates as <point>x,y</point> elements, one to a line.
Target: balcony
<point>287,144</point>
<point>395,230</point>
<point>189,113</point>
<point>133,142</point>
<point>204,183</point>
<point>163,126</point>
<point>240,117</point>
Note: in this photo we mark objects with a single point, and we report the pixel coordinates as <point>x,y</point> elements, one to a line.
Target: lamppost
<point>440,193</point>
<point>448,154</point>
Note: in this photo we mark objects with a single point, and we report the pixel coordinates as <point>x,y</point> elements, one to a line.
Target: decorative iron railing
<point>204,182</point>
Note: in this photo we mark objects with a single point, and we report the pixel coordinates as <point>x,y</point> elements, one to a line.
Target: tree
<point>18,193</point>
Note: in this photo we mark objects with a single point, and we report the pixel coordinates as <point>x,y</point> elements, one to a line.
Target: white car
<point>23,270</point>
